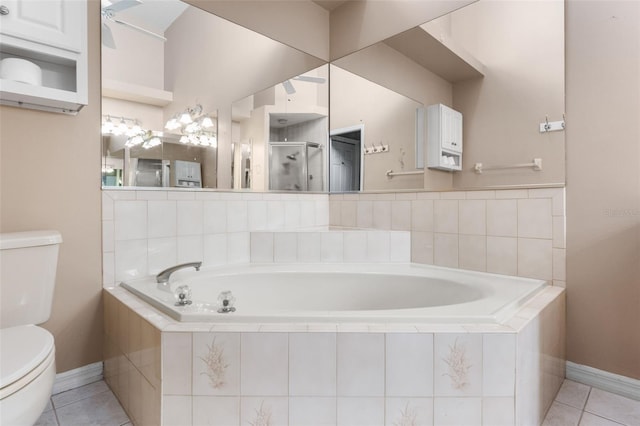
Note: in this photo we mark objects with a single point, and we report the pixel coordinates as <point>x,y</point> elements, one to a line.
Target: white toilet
<point>28,262</point>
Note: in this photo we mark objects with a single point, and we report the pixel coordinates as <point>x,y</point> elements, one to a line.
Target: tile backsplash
<point>144,232</point>
<point>514,232</point>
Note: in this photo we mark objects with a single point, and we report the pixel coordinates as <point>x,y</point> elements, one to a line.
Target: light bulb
<point>122,127</point>
<point>185,118</point>
<point>135,130</point>
<point>172,124</point>
<point>207,122</point>
<point>184,139</point>
<point>107,126</point>
<point>192,128</point>
<point>136,140</point>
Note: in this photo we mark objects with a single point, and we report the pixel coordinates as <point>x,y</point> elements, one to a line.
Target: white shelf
<point>136,93</point>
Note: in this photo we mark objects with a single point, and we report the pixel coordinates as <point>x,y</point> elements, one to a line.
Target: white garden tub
<point>367,293</point>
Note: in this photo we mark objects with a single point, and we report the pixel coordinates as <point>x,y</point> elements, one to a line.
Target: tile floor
<point>92,404</point>
<point>581,405</point>
<point>575,405</point>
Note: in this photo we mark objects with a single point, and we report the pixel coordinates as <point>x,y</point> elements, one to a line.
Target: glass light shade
<point>136,140</point>
<point>207,122</point>
<point>192,127</point>
<point>122,127</point>
<point>172,124</point>
<point>185,118</point>
<point>107,127</point>
<point>184,139</point>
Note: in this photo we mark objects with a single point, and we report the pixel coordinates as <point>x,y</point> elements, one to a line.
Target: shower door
<point>288,166</point>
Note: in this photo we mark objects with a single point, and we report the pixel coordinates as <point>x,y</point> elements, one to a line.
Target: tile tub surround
<point>517,232</point>
<point>514,232</point>
<point>145,231</point>
<point>320,373</point>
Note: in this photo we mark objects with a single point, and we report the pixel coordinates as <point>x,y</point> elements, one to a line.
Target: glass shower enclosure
<point>295,166</point>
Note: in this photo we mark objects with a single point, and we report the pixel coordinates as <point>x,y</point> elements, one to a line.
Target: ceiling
<point>158,15</point>
<point>153,15</point>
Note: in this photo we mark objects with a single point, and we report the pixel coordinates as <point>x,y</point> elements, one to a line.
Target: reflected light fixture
<point>131,128</point>
<point>194,127</point>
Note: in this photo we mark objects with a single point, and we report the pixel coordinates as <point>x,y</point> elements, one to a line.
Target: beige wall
<point>603,185</point>
<point>389,69</point>
<point>301,24</point>
<point>388,119</point>
<point>50,179</point>
<point>521,44</point>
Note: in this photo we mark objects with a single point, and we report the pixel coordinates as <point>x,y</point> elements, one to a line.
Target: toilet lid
<point>22,349</point>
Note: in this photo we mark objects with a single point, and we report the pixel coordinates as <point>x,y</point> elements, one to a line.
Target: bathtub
<point>363,293</point>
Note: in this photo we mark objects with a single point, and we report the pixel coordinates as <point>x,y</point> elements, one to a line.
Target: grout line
<point>584,406</point>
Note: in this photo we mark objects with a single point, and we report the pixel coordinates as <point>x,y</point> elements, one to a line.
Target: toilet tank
<point>28,262</point>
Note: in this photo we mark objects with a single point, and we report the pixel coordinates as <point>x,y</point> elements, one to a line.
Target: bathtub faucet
<point>163,277</point>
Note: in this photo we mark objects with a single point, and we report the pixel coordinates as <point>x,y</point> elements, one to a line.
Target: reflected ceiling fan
<point>288,85</point>
<point>109,12</point>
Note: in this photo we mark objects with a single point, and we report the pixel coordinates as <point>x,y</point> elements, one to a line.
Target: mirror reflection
<point>373,130</point>
<point>178,59</point>
<point>140,146</point>
<point>500,64</point>
<point>281,133</point>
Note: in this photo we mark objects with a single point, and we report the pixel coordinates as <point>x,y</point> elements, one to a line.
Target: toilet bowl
<point>28,263</point>
<point>27,374</point>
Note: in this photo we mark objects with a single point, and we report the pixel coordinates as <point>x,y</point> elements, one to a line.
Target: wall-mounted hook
<point>551,126</point>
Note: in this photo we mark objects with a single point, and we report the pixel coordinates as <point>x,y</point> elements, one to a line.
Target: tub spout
<point>163,277</point>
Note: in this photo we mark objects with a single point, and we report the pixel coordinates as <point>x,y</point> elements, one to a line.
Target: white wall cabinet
<point>187,173</point>
<point>53,35</point>
<point>444,138</point>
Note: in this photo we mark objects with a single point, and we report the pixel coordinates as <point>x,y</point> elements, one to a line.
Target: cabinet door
<point>57,23</point>
<point>451,129</point>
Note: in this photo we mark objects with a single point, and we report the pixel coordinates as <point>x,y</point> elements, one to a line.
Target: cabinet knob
<point>4,10</point>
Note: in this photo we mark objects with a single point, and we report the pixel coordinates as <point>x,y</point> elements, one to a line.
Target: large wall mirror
<point>285,120</point>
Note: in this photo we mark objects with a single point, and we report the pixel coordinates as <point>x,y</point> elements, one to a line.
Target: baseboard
<point>78,377</point>
<point>604,380</point>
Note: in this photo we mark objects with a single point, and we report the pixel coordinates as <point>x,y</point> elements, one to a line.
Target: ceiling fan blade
<point>122,5</point>
<point>310,79</point>
<point>288,87</point>
<point>142,30</point>
<point>107,37</point>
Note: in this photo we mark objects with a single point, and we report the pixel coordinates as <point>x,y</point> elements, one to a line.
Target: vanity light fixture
<point>194,127</point>
<point>131,128</point>
<point>125,125</point>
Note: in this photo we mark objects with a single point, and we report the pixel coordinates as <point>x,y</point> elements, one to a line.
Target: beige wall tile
<point>401,215</point>
<point>473,217</point>
<point>364,214</point>
<point>502,255</point>
<point>502,218</point>
<point>534,218</point>
<point>422,248</point>
<point>445,251</point>
<point>445,213</point>
<point>535,258</point>
<point>422,215</point>
<point>472,252</point>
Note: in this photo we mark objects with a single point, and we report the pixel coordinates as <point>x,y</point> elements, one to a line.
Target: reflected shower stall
<point>295,166</point>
